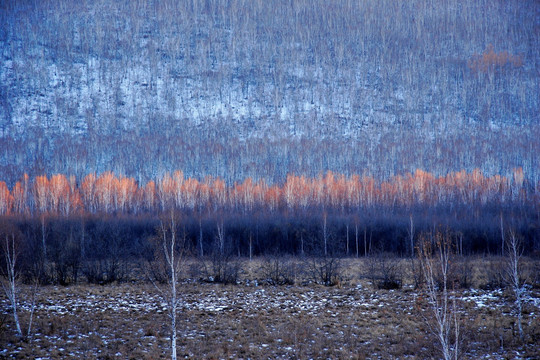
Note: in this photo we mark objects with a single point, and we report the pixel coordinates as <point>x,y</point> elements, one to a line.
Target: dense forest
<point>264,89</point>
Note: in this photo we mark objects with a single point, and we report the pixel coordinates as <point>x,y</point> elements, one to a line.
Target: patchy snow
<point>496,298</point>
<point>242,304</point>
<point>483,298</point>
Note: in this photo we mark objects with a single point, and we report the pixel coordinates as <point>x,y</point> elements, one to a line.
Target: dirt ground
<point>255,321</point>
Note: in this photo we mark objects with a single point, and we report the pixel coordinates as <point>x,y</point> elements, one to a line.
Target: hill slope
<point>264,88</point>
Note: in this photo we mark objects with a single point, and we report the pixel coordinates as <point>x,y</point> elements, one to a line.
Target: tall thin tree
<point>435,252</point>
<point>165,270</point>
<point>514,253</point>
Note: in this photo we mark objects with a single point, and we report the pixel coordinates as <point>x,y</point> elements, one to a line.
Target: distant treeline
<point>330,192</point>
<point>105,248</point>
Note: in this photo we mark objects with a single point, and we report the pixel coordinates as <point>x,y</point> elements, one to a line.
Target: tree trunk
<point>356,238</point>
<point>250,246</point>
<point>43,244</point>
<point>201,250</point>
<point>11,287</point>
<point>347,239</point>
<point>325,236</point>
<point>411,235</point>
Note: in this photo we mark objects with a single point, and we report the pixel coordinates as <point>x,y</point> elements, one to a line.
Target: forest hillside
<point>263,89</point>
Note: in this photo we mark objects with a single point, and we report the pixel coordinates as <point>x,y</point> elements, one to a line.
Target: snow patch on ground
<point>482,298</point>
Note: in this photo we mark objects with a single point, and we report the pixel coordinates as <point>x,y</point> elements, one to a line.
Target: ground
<point>256,321</point>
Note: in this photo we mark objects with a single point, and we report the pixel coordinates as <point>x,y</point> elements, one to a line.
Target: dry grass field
<point>254,320</point>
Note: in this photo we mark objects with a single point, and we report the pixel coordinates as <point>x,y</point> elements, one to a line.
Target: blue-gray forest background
<point>263,89</point>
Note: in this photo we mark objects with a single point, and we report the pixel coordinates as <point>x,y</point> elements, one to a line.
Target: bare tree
<point>410,233</point>
<point>415,271</point>
<point>164,272</point>
<point>356,237</point>
<point>384,271</point>
<point>325,233</point>
<point>278,270</point>
<point>9,279</point>
<point>435,252</point>
<point>201,248</point>
<point>347,243</point>
<point>221,236</point>
<point>515,250</point>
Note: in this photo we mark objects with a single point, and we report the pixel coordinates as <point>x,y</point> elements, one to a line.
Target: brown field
<point>253,320</point>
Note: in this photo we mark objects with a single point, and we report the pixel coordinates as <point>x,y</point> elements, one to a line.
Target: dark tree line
<point>105,248</point>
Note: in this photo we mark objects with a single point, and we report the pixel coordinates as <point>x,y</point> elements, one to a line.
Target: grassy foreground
<point>259,321</point>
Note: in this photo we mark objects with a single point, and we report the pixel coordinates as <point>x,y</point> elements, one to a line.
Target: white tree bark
<point>11,287</point>
<point>325,235</point>
<point>10,283</point>
<point>171,259</point>
<point>443,304</point>
<point>221,237</point>
<point>513,268</point>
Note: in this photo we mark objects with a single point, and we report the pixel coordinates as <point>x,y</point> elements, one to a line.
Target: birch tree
<point>435,252</point>
<point>9,279</point>
<point>514,252</point>
<point>165,270</point>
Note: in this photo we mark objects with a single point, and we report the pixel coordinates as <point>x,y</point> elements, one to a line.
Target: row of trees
<point>111,194</point>
<point>107,241</point>
<point>232,157</point>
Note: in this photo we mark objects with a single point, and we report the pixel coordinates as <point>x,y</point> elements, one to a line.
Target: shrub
<point>325,270</point>
<point>384,271</point>
<point>279,271</point>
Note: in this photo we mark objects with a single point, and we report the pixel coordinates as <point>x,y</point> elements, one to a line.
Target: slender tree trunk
<point>221,237</point>
<point>173,338</point>
<point>347,239</point>
<point>43,242</point>
<point>170,256</point>
<point>201,250</point>
<point>83,240</point>
<point>13,299</point>
<point>173,312</point>
<point>514,258</point>
<point>356,239</point>
<point>11,287</point>
<point>365,242</point>
<point>502,235</point>
<point>250,246</point>
<point>302,244</point>
<point>325,236</point>
<point>460,244</point>
<point>411,235</point>
<point>370,240</point>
